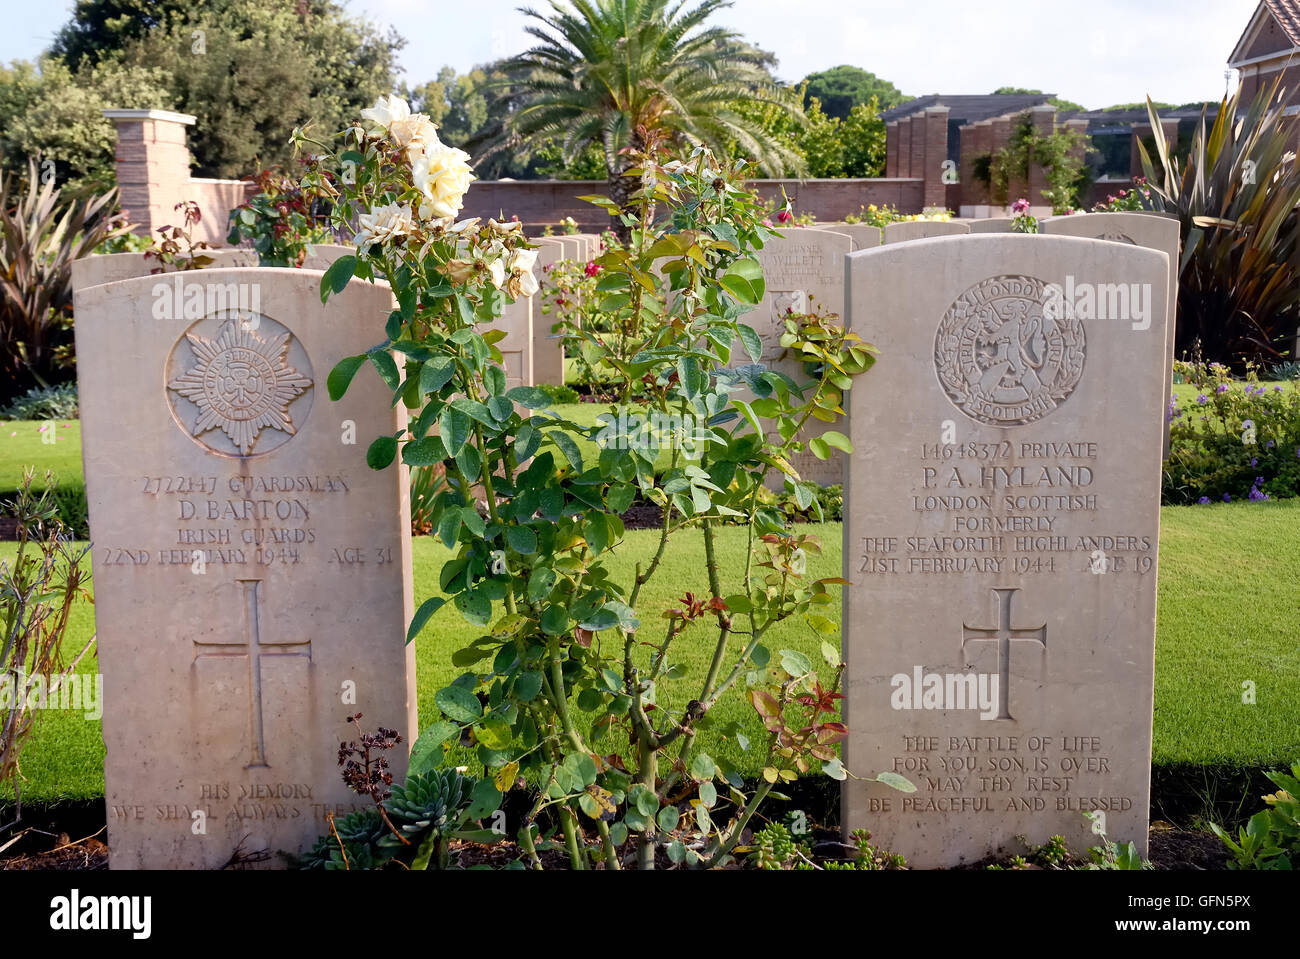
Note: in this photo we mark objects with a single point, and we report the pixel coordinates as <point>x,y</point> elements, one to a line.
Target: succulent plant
<point>427,802</point>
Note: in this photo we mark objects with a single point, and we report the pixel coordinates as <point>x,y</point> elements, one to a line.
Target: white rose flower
<point>523,260</point>
<point>383,225</point>
<point>417,134</point>
<point>522,282</point>
<point>497,271</point>
<point>386,111</point>
<point>504,228</point>
<point>443,175</point>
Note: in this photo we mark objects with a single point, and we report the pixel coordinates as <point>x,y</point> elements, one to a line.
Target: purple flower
<point>1202,399</point>
<point>1256,496</point>
<point>1221,389</point>
<point>1254,461</point>
<point>1277,389</point>
<point>1227,497</point>
<point>1269,445</point>
<point>1204,501</point>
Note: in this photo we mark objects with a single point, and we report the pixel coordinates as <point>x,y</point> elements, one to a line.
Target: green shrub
<point>560,394</point>
<point>45,403</point>
<point>1236,440</point>
<point>1271,839</point>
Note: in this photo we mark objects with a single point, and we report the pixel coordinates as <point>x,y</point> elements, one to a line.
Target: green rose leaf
<point>494,733</point>
<point>528,685</point>
<point>795,663</point>
<point>427,751</point>
<point>484,800</point>
<point>474,607</point>
<point>382,452</point>
<point>529,397</point>
<point>458,704</point>
<point>521,539</point>
<point>895,781</point>
<point>436,374</point>
<point>424,452</point>
<point>340,377</point>
<point>569,448</point>
<point>703,767</point>
<point>540,583</point>
<point>427,609</point>
<point>383,361</point>
<point>335,279</point>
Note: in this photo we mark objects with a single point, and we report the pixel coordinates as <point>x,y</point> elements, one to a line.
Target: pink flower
<point>1020,206</point>
<point>592,268</point>
<point>785,216</point>
<point>767,222</point>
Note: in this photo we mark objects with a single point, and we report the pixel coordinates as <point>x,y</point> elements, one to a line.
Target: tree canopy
<point>614,74</point>
<point>248,70</point>
<point>842,88</point>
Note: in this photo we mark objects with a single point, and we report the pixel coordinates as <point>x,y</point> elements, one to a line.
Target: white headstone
<point>923,229</point>
<point>1001,533</point>
<point>252,573</point>
<point>99,268</point>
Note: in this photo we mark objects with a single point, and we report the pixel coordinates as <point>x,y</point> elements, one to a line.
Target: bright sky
<point>1096,53</point>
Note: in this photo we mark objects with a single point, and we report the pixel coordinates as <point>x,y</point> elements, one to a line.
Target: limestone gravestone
<point>1001,534</point>
<point>803,271</point>
<point>574,248</point>
<point>992,224</point>
<point>252,574</point>
<point>517,345</point>
<point>321,256</point>
<point>100,268</point>
<point>923,229</point>
<point>1135,229</point>
<point>548,347</point>
<point>864,237</point>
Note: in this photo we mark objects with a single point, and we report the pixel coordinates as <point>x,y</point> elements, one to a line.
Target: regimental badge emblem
<point>1118,238</point>
<point>240,380</point>
<point>1002,358</point>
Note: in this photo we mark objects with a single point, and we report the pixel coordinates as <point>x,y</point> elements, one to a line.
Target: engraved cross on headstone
<point>254,647</point>
<point>1003,634</point>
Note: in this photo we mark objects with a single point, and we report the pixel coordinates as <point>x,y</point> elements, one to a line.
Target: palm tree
<point>621,72</point>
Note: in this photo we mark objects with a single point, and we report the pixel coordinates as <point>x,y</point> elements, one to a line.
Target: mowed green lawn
<point>1229,614</point>
<point>28,442</point>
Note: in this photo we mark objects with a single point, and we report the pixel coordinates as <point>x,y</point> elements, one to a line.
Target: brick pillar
<point>153,164</point>
<point>1080,152</point>
<point>999,136</point>
<point>891,148</point>
<point>1044,117</point>
<point>936,152</point>
<point>981,146</point>
<point>905,147</point>
<point>916,163</point>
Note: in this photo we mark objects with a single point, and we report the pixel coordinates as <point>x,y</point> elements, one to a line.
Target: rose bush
<point>561,687</point>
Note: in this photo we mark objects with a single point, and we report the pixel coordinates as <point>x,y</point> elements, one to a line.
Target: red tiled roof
<point>1287,15</point>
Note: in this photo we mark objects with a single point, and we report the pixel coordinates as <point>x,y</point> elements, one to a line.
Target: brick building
<point>1270,48</point>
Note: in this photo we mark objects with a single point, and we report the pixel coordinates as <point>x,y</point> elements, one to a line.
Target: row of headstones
<point>253,575</point>
<point>804,271</point>
<point>531,352</point>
